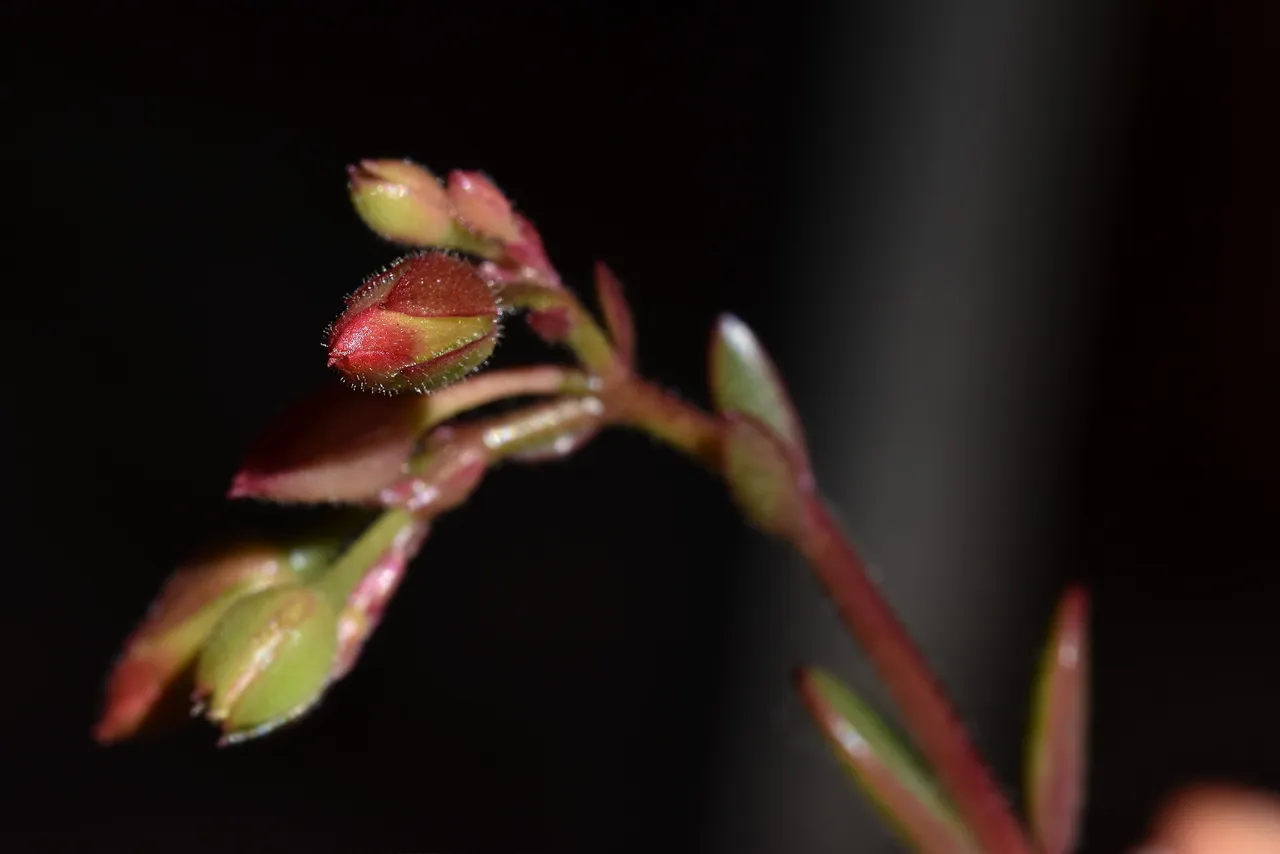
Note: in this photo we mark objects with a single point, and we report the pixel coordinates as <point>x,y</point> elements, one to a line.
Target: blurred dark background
<point>1018,259</point>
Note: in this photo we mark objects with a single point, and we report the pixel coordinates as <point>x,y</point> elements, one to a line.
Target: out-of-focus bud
<point>426,322</point>
<point>159,654</point>
<point>482,207</point>
<point>335,446</point>
<point>553,325</point>
<point>530,253</point>
<point>267,661</point>
<point>364,607</point>
<point>402,202</point>
<point>524,259</point>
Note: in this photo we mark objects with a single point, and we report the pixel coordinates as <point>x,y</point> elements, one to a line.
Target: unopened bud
<point>482,207</point>
<point>402,202</point>
<point>524,259</point>
<point>267,661</point>
<point>160,652</point>
<point>426,322</point>
<point>553,325</point>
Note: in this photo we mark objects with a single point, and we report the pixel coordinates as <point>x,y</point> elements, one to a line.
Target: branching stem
<point>938,732</point>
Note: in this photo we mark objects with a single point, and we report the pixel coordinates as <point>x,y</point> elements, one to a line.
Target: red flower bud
<point>526,259</point>
<point>426,322</point>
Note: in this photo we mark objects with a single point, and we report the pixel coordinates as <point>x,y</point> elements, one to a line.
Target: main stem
<point>941,737</point>
<point>938,731</point>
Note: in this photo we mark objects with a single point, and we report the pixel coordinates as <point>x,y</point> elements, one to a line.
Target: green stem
<point>453,462</point>
<point>537,426</point>
<point>340,579</point>
<point>637,403</point>
<point>485,388</point>
<point>586,339</point>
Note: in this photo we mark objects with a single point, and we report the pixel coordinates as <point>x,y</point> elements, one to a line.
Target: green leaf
<point>886,770</point>
<point>769,483</point>
<point>744,379</point>
<point>1056,748</point>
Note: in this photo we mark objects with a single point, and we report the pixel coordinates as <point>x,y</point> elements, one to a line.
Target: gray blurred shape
<point>938,293</point>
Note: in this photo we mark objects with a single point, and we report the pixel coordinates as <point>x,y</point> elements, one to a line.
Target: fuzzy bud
<point>426,322</point>
<point>402,202</point>
<point>267,661</point>
<point>159,654</point>
<point>482,207</point>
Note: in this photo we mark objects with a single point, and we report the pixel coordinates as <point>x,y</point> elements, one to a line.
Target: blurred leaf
<point>768,482</point>
<point>886,770</point>
<point>617,314</point>
<point>336,445</point>
<point>744,379</point>
<point>1056,749</point>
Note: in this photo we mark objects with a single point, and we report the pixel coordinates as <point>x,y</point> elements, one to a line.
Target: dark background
<point>1018,258</point>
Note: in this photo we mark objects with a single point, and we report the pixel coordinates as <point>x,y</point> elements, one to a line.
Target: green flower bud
<point>158,656</point>
<point>267,661</point>
<point>402,202</point>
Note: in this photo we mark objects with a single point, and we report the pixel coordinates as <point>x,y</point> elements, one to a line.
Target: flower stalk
<point>423,326</point>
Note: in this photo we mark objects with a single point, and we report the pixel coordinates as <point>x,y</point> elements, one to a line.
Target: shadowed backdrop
<point>1016,259</point>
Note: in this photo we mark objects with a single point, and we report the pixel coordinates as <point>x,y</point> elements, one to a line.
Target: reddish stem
<point>637,403</point>
<point>938,731</point>
<point>941,737</point>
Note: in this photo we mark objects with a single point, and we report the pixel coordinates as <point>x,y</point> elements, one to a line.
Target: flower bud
<point>424,323</point>
<point>160,652</point>
<point>402,202</point>
<point>267,661</point>
<point>553,325</point>
<point>524,259</point>
<point>482,207</point>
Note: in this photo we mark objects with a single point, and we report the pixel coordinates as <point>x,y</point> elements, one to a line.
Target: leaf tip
<point>617,313</point>
<point>744,379</point>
